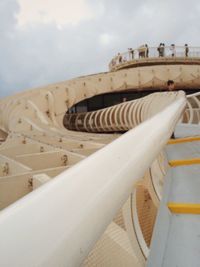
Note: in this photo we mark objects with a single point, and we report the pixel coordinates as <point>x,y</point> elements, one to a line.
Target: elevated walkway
<point>149,56</point>
<point>187,130</point>
<point>176,234</point>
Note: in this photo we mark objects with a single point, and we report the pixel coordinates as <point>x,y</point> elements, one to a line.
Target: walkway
<point>143,56</point>
<point>176,238</point>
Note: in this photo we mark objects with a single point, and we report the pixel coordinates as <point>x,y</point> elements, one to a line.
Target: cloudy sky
<point>47,41</point>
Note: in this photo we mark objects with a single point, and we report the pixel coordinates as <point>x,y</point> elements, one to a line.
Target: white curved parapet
<point>58,224</point>
<point>192,114</point>
<point>121,117</point>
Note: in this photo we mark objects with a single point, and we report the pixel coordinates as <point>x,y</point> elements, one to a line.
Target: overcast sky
<point>47,41</point>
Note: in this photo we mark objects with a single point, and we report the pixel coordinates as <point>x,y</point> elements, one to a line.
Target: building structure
<point>60,207</point>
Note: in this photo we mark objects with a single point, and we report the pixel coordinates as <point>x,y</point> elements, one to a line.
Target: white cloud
<point>60,12</point>
<point>93,31</point>
<point>106,39</point>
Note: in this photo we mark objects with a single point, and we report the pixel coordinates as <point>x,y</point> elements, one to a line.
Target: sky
<point>48,41</point>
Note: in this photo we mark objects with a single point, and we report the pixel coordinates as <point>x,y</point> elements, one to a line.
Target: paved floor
<point>185,129</point>
<point>176,237</point>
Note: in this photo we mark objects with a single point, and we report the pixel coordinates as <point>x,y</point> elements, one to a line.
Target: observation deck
<point>147,56</point>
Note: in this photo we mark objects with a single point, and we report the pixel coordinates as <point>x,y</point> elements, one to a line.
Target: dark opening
<point>110,99</point>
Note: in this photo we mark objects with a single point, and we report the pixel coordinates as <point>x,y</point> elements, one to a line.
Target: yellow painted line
<point>184,208</point>
<point>182,162</point>
<point>183,140</point>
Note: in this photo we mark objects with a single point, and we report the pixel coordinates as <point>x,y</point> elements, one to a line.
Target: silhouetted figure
<point>186,50</point>
<point>147,50</point>
<point>159,49</point>
<point>163,49</point>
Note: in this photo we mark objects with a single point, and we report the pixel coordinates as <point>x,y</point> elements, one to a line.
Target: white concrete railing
<point>121,117</point>
<point>192,112</point>
<point>149,53</point>
<point>137,228</point>
<point>59,223</point>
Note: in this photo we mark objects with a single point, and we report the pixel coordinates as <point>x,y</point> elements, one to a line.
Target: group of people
<point>143,52</point>
<point>172,48</point>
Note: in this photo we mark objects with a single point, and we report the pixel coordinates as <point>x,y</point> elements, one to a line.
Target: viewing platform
<point>161,55</point>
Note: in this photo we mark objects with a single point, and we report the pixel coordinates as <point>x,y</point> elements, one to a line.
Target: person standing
<point>159,50</point>
<point>163,52</point>
<point>131,53</point>
<point>119,58</point>
<point>186,50</point>
<point>147,50</point>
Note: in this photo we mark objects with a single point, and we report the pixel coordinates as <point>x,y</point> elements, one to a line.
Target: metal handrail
<point>59,223</point>
<point>147,53</point>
